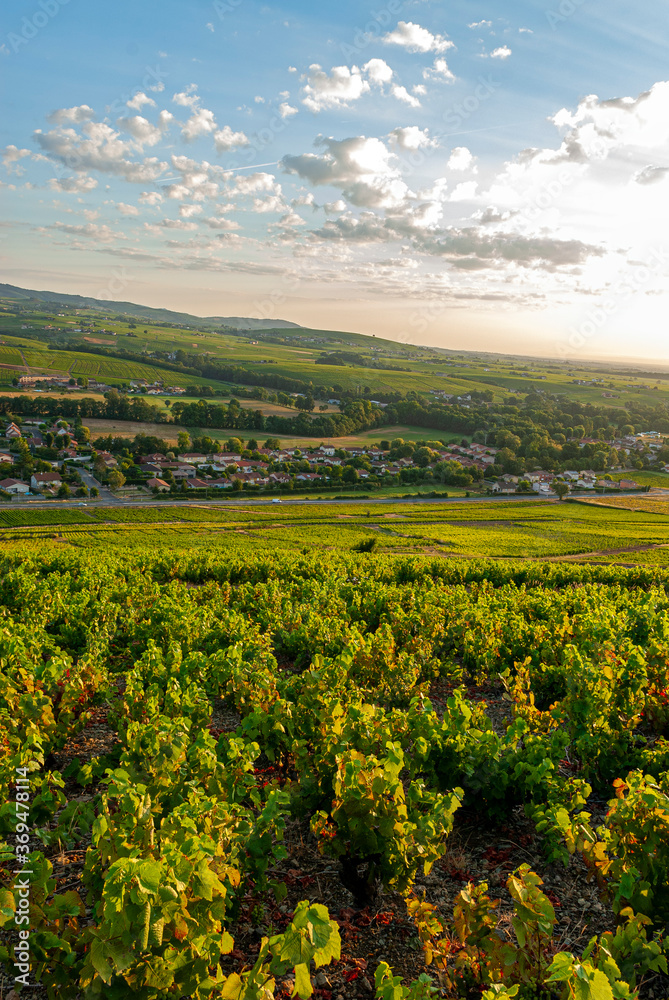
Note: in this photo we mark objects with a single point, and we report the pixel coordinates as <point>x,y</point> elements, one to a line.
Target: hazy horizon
<point>490,177</point>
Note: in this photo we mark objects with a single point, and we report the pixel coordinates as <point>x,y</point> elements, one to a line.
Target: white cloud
<point>188,211</point>
<point>503,52</point>
<point>461,159</point>
<point>226,225</point>
<point>363,168</point>
<point>292,69</point>
<point>201,122</point>
<point>171,224</point>
<point>259,100</point>
<point>158,87</point>
<point>99,148</point>
<point>151,197</point>
<point>139,100</point>
<point>378,71</point>
<point>127,210</point>
<point>651,175</point>
<point>73,185</point>
<point>402,94</point>
<point>225,139</point>
<point>480,24</point>
<point>140,129</point>
<point>333,207</point>
<point>209,26</point>
<point>525,31</point>
<point>439,70</point>
<point>10,159</point>
<point>286,110</point>
<point>71,116</point>
<point>101,234</point>
<point>337,90</point>
<point>274,203</point>
<point>257,182</point>
<point>464,191</point>
<point>411,138</point>
<point>414,38</point>
<point>187,98</point>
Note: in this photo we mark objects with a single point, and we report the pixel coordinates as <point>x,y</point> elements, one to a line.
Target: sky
<point>469,175</point>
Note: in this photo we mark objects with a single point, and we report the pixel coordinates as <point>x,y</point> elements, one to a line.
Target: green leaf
<point>303,987</point>
<point>596,988</point>
<point>99,961</point>
<point>150,875</point>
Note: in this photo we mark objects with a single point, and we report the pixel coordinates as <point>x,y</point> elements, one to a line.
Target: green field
<point>240,761</point>
<point>498,530</point>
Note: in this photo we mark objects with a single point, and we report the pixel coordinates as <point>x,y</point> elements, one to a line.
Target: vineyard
<point>243,774</point>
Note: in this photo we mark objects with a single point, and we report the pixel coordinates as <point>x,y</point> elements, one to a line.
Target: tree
<point>95,492</point>
<point>350,475</point>
<point>116,479</point>
<point>561,489</point>
<point>64,491</point>
<point>184,441</point>
<point>273,444</point>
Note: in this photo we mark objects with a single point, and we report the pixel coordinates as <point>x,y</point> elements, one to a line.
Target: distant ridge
<point>144,312</point>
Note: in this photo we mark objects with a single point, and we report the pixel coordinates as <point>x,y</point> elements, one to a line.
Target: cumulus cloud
<point>439,70</point>
<point>101,234</point>
<point>127,210</point>
<point>171,224</point>
<point>226,139</point>
<point>464,191</point>
<point>187,98</point>
<point>361,167</point>
<point>11,156</point>
<point>378,71</point>
<point>335,90</point>
<point>225,225</point>
<point>287,110</point>
<point>502,52</point>
<point>411,138</point>
<point>140,129</point>
<point>189,211</point>
<point>274,203</point>
<point>151,197</point>
<point>139,100</point>
<point>201,122</point>
<point>480,24</point>
<point>258,182</point>
<point>402,94</point>
<point>414,38</point>
<point>71,116</point>
<point>73,185</point>
<point>461,158</point>
<point>196,180</point>
<point>100,148</point>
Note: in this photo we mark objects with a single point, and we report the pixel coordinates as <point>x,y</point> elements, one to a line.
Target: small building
<point>14,486</point>
<point>158,484</point>
<point>12,431</point>
<point>45,480</point>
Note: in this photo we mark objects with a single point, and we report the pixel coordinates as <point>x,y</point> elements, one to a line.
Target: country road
<point>109,500</point>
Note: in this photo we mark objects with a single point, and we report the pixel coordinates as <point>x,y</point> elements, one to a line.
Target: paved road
<point>109,500</point>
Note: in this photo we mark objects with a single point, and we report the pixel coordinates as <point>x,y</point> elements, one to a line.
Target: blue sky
<point>483,175</point>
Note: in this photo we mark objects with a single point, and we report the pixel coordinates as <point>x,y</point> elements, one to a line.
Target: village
<point>59,460</point>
